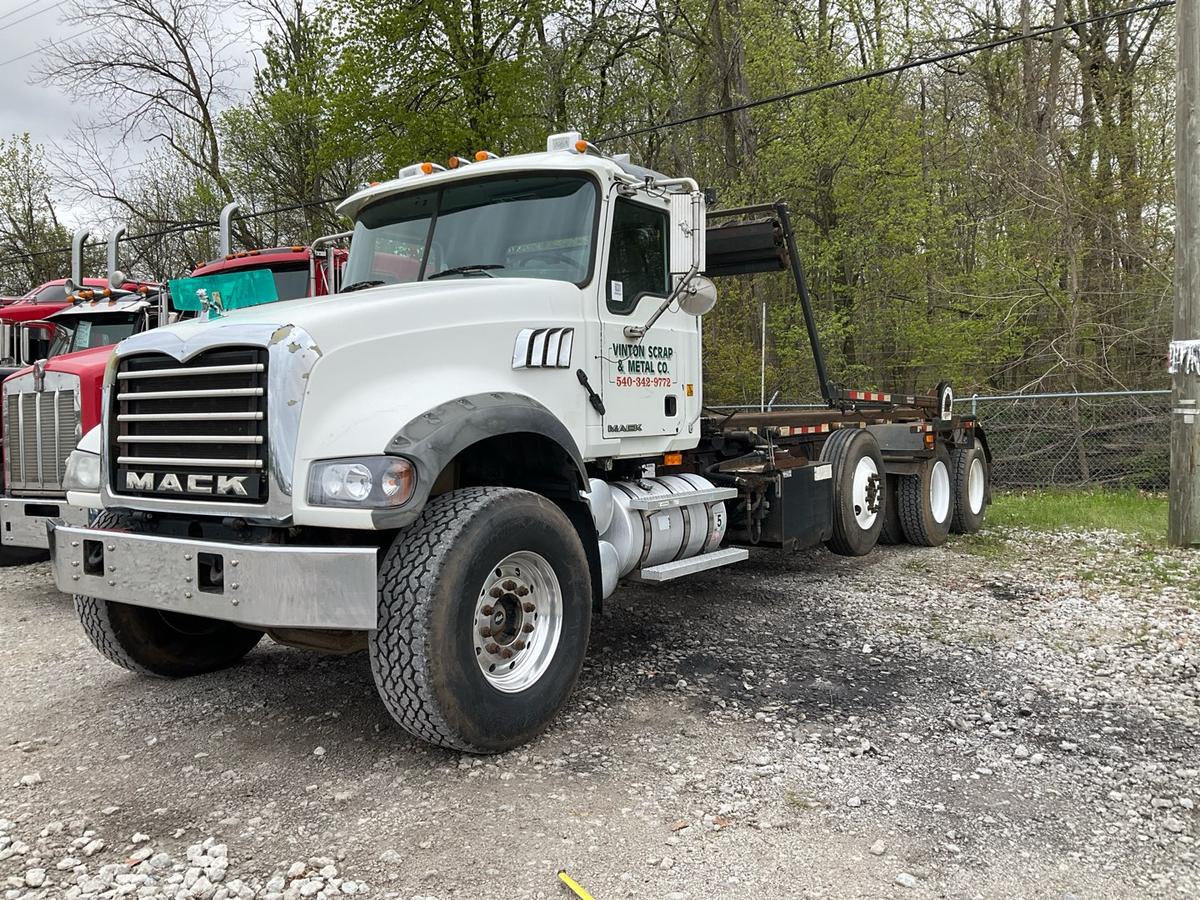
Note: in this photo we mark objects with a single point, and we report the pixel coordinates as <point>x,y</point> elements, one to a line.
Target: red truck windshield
<point>85,332</point>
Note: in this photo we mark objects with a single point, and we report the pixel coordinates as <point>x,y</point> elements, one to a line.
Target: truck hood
<point>343,319</point>
<point>29,312</point>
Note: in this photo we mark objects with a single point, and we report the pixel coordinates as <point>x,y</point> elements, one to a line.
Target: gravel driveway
<point>1011,715</point>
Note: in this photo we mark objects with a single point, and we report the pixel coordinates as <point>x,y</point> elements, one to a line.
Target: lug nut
<point>528,607</point>
<point>488,610</point>
<point>509,585</point>
<point>527,628</point>
<point>493,647</point>
<point>485,632</point>
<point>522,591</point>
<point>495,593</point>
<point>518,645</point>
<point>506,653</point>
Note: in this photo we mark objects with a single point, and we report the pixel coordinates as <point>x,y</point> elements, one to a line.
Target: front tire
<point>153,642</point>
<point>484,616</point>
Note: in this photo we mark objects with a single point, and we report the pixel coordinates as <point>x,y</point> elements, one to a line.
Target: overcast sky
<point>45,112</point>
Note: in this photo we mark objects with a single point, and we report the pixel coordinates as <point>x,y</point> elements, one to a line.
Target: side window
<point>637,261</point>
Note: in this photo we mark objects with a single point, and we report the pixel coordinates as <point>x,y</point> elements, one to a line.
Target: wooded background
<point>1003,220</point>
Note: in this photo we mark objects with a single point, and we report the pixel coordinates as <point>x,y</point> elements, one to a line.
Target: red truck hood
<point>29,312</point>
<point>88,366</point>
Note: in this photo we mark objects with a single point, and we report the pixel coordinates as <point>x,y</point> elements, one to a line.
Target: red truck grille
<point>40,431</point>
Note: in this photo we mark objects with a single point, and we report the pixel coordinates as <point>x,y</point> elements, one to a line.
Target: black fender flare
<point>437,436</point>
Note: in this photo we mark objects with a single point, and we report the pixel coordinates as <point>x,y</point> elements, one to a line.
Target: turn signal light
<point>672,459</point>
<point>929,438</point>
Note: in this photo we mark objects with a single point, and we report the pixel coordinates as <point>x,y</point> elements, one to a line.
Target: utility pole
<point>1183,528</point>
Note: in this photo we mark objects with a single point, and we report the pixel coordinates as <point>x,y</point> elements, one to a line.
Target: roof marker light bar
<point>565,140</point>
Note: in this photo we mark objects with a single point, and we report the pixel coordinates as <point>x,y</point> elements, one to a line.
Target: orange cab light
<point>455,161</point>
<point>672,459</point>
<point>255,252</point>
<point>484,155</point>
<point>297,248</point>
<point>929,438</point>
<point>581,146</point>
<point>374,184</point>
<point>230,255</point>
<point>107,292</point>
<point>427,168</point>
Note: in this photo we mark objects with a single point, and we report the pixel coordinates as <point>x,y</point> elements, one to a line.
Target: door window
<point>637,262</point>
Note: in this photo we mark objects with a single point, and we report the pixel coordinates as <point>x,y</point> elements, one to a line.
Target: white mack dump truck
<point>455,466</point>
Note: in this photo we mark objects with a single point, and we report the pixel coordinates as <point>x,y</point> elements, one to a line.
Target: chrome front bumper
<point>23,520</point>
<point>264,585</point>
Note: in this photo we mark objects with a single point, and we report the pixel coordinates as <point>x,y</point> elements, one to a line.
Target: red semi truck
<point>48,406</point>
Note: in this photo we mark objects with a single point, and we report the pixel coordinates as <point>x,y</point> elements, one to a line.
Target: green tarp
<point>235,290</point>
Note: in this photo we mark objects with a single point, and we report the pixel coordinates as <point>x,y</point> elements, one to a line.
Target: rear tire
<point>971,488</point>
<point>926,502</point>
<point>152,642</point>
<point>858,501</point>
<point>892,531</point>
<point>480,570</point>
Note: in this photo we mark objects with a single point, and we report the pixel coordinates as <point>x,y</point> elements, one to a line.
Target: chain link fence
<point>1103,439</point>
<point>1098,439</point>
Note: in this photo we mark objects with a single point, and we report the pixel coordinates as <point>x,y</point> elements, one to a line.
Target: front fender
<point>434,438</point>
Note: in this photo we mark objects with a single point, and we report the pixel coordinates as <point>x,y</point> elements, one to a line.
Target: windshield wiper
<point>481,268</point>
<point>359,285</point>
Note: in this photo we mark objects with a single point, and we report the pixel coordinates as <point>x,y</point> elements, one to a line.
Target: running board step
<point>711,495</point>
<point>693,564</point>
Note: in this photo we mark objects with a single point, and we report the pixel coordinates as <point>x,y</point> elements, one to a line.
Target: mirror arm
<point>636,332</point>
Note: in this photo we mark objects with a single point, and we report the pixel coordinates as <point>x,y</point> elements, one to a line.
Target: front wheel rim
<point>976,480</point>
<point>518,621</point>
<point>939,491</point>
<point>865,493</point>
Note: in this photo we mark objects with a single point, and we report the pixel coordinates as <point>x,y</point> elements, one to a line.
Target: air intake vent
<point>194,430</point>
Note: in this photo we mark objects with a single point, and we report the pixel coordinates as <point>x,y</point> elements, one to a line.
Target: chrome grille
<point>40,431</point>
<point>194,430</point>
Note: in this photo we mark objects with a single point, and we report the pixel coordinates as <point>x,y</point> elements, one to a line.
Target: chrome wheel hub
<point>518,621</point>
<point>939,491</point>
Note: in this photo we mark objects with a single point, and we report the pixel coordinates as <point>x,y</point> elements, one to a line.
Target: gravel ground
<point>1013,715</point>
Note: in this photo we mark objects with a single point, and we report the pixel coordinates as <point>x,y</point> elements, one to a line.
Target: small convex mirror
<point>698,296</point>
<point>116,278</point>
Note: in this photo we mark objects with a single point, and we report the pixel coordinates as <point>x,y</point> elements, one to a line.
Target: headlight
<point>83,471</point>
<point>371,482</point>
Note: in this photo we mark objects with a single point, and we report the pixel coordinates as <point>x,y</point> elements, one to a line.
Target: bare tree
<point>153,70</point>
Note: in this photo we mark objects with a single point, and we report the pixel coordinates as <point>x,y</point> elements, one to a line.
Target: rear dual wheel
<point>925,501</point>
<point>858,491</point>
<point>971,475</point>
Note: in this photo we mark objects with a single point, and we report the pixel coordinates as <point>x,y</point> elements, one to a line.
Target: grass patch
<point>1131,512</point>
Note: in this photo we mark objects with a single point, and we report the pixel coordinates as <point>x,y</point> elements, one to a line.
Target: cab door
<point>644,381</point>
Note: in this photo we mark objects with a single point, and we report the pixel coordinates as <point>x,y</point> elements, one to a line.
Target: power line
<point>174,229</point>
<point>889,70</point>
<point>31,15</point>
<point>40,48</point>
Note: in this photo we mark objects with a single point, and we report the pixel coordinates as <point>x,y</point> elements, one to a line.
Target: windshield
<point>85,332</point>
<point>515,226</point>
